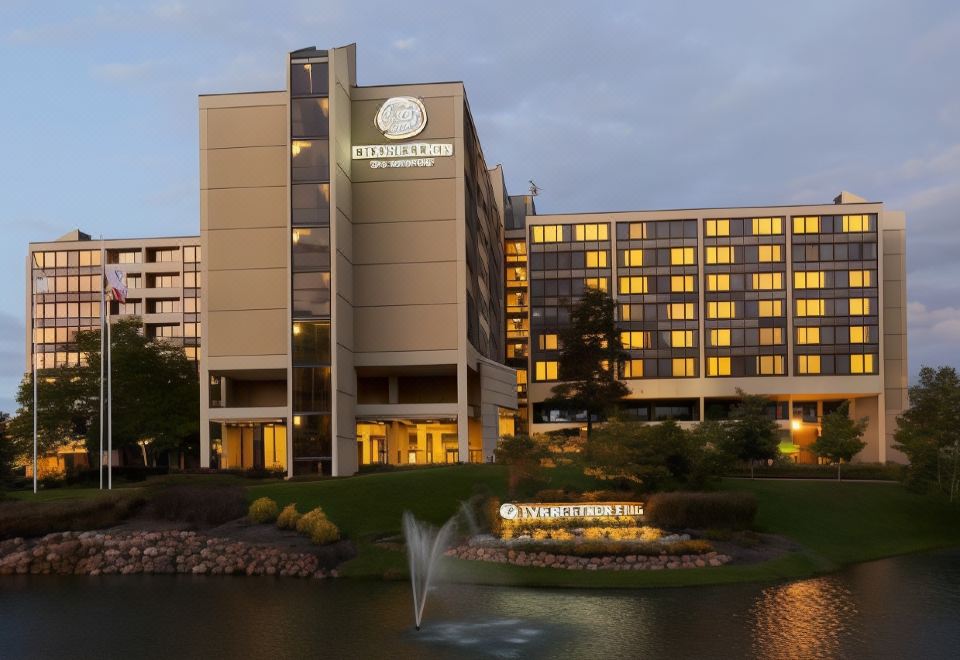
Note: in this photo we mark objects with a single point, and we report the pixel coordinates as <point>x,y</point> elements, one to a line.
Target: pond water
<point>905,607</point>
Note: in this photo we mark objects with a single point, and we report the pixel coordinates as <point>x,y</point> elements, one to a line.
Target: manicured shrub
<point>263,510</point>
<point>29,519</point>
<point>289,517</point>
<point>681,510</point>
<point>198,505</point>
<point>318,527</point>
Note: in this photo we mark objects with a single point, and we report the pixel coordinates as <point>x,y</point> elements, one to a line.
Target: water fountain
<point>425,547</point>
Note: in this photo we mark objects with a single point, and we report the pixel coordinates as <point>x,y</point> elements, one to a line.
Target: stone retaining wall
<point>572,562</point>
<point>98,553</point>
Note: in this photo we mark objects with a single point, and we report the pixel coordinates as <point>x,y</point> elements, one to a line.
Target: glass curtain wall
<point>310,261</point>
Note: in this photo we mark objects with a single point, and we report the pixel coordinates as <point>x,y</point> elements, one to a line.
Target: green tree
<point>522,455</point>
<point>155,396</point>
<point>10,449</point>
<point>708,439</point>
<point>590,358</point>
<point>753,434</point>
<point>929,431</point>
<point>840,436</point>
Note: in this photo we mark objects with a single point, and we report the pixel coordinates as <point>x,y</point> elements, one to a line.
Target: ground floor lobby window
<point>253,446</point>
<point>413,442</point>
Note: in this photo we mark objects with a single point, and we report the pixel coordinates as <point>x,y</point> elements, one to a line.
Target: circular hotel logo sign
<point>401,117</point>
<point>508,511</point>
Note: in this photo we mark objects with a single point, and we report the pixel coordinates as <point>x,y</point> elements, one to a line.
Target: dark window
<point>311,248</point>
<point>311,343</point>
<point>311,436</point>
<point>309,118</point>
<point>310,204</point>
<point>311,294</point>
<point>308,79</point>
<point>311,389</point>
<point>310,160</point>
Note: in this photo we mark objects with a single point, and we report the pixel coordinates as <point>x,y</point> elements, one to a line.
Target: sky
<point>608,106</point>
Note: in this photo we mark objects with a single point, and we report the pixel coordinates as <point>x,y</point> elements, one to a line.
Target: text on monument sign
<point>520,511</point>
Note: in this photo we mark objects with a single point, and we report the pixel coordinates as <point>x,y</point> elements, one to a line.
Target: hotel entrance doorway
<point>254,446</point>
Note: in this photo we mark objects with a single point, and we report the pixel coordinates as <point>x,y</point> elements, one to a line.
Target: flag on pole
<point>116,285</point>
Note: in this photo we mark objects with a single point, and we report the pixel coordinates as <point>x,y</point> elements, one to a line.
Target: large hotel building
<point>371,293</point>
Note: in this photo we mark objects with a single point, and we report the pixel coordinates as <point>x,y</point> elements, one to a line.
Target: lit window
<point>521,376</point>
<point>767,226</point>
<point>859,334</point>
<point>720,254</point>
<point>861,364</point>
<point>633,369</point>
<point>721,310</point>
<point>811,307</point>
<point>856,223</point>
<point>625,312</point>
<point>860,279</point>
<point>595,283</point>
<point>859,306</point>
<point>717,227</point>
<point>769,253</point>
<point>633,284</point>
<point>633,257</point>
<point>638,230</point>
<point>635,340</point>
<point>718,366</point>
<point>810,279</point>
<point>681,256</point>
<point>683,367</point>
<point>806,224</point>
<point>590,232</point>
<point>767,281</point>
<point>548,342</point>
<point>769,365</point>
<point>718,282</point>
<point>546,370</point>
<point>596,258</point>
<point>769,308</point>
<point>771,336</point>
<point>808,335</point>
<point>681,283</point>
<point>808,364</point>
<point>681,338</point>
<point>720,337</point>
<point>680,311</point>
<point>547,233</point>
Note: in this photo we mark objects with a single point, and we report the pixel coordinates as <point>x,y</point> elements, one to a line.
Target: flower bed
<point>632,562</point>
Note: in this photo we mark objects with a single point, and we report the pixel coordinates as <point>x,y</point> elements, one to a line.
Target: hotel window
<point>633,284</point>
<point>767,281</point>
<point>808,335</point>
<point>596,258</point>
<point>163,306</point>
<point>310,160</point>
<point>769,365</point>
<point>861,364</point>
<point>308,79</point>
<point>681,283</point>
<point>191,329</point>
<point>633,257</point>
<point>636,231</point>
<point>767,226</point>
<point>633,369</point>
<point>311,294</point>
<point>684,367</point>
<point>811,279</point>
<point>808,364</point>
<point>680,311</point>
<point>547,233</point>
<point>191,280</point>
<point>721,310</point>
<point>635,340</point>
<point>717,228</point>
<point>548,342</point>
<point>121,257</point>
<point>595,283</point>
<point>769,308</point>
<point>859,334</point>
<point>682,256</point>
<point>90,258</point>
<point>590,232</point>
<point>771,336</point>
<point>859,306</point>
<point>811,307</point>
<point>806,224</point>
<point>681,338</point>
<point>310,204</point>
<point>722,254</point>
<point>855,223</point>
<point>191,254</point>
<point>769,253</point>
<point>720,337</point>
<point>191,306</point>
<point>162,255</point>
<point>546,370</point>
<point>718,282</point>
<point>163,281</point>
<point>311,248</point>
<point>310,117</point>
<point>718,366</point>
<point>860,279</point>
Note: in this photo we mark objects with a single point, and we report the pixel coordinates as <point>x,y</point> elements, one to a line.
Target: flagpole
<point>103,262</point>
<point>33,328</point>
<point>109,406</point>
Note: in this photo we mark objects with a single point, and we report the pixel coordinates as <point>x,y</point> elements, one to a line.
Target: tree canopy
<point>753,435</point>
<point>155,396</point>
<point>590,358</point>
<point>840,436</point>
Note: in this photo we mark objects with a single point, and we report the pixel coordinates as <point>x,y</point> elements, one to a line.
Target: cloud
<point>404,44</point>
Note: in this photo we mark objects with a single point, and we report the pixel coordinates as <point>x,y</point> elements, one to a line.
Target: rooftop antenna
<point>534,188</point>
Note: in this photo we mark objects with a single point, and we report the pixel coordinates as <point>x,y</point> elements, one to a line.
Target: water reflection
<point>806,619</point>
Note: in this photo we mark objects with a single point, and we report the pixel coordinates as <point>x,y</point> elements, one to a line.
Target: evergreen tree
<point>840,437</point>
<point>753,434</point>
